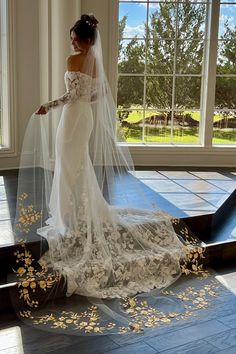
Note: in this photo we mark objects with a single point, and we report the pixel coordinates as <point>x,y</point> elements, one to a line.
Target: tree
<point>168,37</point>
<point>131,60</point>
<point>226,86</point>
<point>163,40</point>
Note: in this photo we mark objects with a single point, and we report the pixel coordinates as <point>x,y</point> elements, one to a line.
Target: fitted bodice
<point>80,85</point>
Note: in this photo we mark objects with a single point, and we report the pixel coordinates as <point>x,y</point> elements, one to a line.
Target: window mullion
<point>208,92</point>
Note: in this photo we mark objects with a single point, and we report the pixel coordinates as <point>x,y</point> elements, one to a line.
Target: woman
<point>104,251</point>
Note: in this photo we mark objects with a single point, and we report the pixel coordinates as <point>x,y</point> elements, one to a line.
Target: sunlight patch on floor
<point>11,340</point>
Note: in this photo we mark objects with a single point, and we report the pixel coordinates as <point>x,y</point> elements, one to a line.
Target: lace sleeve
<point>69,96</point>
<point>79,87</point>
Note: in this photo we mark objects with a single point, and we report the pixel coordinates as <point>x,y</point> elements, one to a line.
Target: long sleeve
<point>79,87</point>
<point>69,96</point>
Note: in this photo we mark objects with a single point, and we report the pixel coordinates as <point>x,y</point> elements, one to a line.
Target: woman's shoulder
<point>75,62</point>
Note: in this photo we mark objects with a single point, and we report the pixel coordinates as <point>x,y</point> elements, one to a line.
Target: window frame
<point>207,92</point>
<point>9,122</point>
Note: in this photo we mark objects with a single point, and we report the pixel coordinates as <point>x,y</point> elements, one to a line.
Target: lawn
<point>162,135</point>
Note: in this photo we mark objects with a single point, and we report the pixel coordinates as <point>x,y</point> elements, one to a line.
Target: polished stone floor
<point>192,192</point>
<point>212,330</point>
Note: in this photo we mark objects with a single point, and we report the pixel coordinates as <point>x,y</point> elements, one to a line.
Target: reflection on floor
<point>192,192</point>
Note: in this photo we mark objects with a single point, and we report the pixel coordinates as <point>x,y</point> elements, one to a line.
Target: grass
<point>181,135</point>
<point>136,115</point>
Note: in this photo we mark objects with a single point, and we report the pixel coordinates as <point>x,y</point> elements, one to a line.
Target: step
<point>217,232</point>
<point>11,291</point>
<point>36,244</point>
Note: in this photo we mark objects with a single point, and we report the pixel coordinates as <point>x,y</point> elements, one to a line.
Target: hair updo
<point>85,28</point>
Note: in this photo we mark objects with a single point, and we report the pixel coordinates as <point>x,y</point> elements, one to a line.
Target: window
<point>162,73</point>
<point>6,122</point>
<point>224,130</point>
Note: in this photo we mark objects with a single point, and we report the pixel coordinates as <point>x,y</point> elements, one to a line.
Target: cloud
<point>130,31</point>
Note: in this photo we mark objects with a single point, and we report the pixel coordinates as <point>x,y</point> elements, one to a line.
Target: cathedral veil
<point>71,174</point>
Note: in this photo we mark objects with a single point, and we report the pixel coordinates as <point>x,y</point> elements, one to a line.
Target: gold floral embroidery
<point>27,215</point>
<point>30,278</point>
<point>140,315</point>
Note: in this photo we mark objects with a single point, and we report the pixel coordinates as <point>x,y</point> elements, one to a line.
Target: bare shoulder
<point>75,62</point>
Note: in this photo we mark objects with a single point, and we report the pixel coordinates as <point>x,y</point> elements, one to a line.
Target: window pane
<point>157,127</point>
<point>189,57</point>
<point>186,127</point>
<point>224,131</point>
<point>227,21</point>
<point>226,58</point>
<point>160,57</point>
<point>131,56</point>
<point>225,92</point>
<point>191,20</point>
<point>132,20</point>
<point>130,91</point>
<point>130,125</point>
<point>159,92</point>
<point>162,20</point>
<point>187,92</point>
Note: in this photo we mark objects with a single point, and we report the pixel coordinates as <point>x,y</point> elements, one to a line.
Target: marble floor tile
<point>178,174</point>
<point>147,174</point>
<point>11,340</point>
<point>1,181</point>
<point>3,195</point>
<point>4,210</point>
<point>228,280</point>
<point>197,212</point>
<point>195,347</point>
<point>231,350</point>
<point>210,175</point>
<point>229,320</point>
<point>215,199</point>
<point>189,202</point>
<point>228,186</point>
<point>163,186</point>
<point>200,186</point>
<point>187,335</point>
<point>224,340</point>
<point>6,232</point>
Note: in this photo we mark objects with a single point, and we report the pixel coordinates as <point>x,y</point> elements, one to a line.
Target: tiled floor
<point>211,331</point>
<point>192,192</point>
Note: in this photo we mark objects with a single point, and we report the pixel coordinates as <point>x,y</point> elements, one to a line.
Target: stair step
<point>11,291</point>
<point>36,245</point>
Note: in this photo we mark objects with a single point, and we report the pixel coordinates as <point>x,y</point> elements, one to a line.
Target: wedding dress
<point>103,250</point>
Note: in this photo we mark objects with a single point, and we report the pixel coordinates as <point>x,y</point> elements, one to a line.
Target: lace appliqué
<point>132,258</point>
<point>79,87</point>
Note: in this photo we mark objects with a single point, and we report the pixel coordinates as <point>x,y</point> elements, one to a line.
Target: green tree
<point>226,86</point>
<point>175,29</point>
<point>164,36</point>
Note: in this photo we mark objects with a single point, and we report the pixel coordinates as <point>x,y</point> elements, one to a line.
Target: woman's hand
<point>41,110</point>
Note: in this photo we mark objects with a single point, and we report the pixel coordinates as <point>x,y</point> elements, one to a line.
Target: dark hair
<point>85,28</point>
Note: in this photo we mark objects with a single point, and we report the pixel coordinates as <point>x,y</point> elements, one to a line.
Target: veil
<point>77,228</point>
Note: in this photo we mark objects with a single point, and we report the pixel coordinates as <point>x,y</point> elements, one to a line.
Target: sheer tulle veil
<point>89,238</point>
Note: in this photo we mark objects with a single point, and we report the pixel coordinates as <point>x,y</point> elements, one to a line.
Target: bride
<point>103,250</point>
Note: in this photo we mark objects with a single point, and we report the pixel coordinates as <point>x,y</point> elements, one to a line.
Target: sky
<point>137,13</point>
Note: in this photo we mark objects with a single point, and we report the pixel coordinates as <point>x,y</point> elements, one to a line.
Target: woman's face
<point>75,41</point>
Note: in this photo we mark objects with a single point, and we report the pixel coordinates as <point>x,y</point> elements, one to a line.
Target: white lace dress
<point>102,250</point>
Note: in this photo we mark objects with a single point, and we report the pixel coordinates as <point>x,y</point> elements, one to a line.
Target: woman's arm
<point>67,97</point>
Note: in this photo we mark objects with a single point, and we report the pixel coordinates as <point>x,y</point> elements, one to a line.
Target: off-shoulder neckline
<point>79,72</point>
